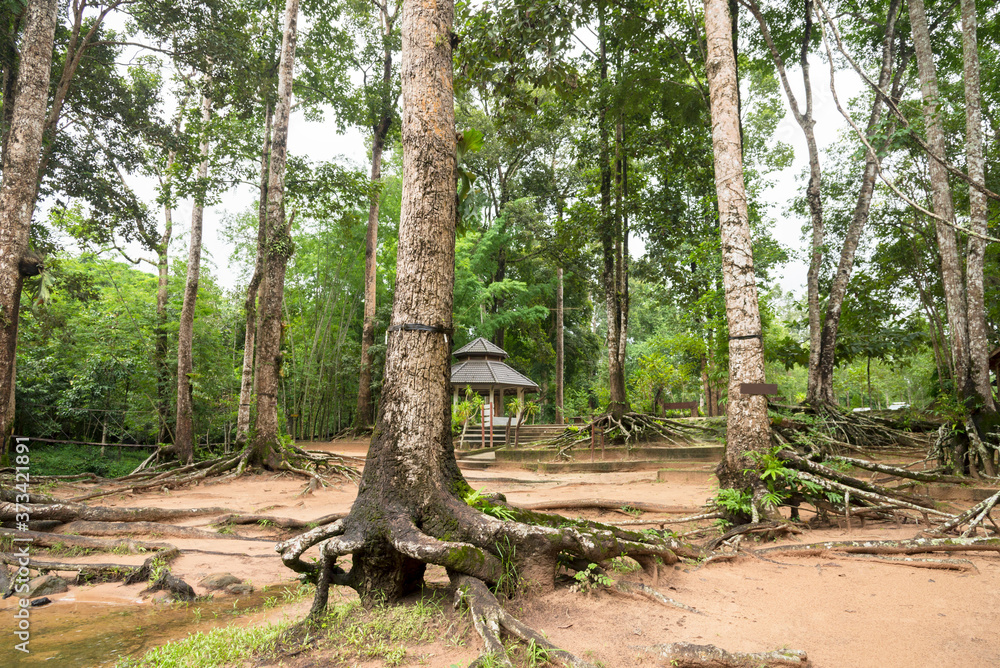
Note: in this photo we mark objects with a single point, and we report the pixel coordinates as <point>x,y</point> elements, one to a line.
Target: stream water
<point>71,634</point>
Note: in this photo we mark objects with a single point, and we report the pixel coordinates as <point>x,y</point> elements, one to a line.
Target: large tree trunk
<point>748,431</point>
<point>822,391</point>
<point>18,189</point>
<point>412,455</point>
<point>184,431</point>
<point>413,506</point>
<point>979,350</point>
<point>265,446</point>
<point>951,268</point>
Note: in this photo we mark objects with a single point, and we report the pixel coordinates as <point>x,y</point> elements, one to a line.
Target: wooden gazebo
<point>481,366</point>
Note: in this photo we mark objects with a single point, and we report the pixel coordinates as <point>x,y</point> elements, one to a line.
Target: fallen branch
<point>915,546</point>
<point>963,565</point>
<point>146,528</point>
<point>686,655</point>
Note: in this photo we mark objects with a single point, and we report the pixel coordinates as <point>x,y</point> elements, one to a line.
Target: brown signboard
<point>758,388</point>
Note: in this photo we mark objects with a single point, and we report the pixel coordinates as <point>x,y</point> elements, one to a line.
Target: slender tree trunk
<point>363,416</point>
<point>748,431</point>
<point>951,268</point>
<point>805,121</point>
<point>979,350</point>
<point>253,293</point>
<point>18,190</point>
<point>278,248</point>
<point>823,390</point>
<point>610,234</point>
<point>560,349</point>
<point>162,295</point>
<point>184,431</point>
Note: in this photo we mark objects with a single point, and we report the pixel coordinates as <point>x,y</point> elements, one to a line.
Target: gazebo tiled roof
<point>482,367</point>
<point>480,348</point>
<point>484,372</point>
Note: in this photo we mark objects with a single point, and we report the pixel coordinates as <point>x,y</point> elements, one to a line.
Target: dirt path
<point>843,613</point>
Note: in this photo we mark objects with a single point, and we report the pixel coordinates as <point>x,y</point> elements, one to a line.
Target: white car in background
<point>898,406</point>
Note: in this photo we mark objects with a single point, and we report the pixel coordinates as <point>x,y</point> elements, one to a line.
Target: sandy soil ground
<point>844,613</point>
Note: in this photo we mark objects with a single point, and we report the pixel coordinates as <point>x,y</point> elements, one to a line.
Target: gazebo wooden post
<point>493,410</point>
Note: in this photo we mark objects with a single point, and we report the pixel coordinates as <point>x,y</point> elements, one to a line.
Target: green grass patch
<point>217,647</point>
<point>346,635</point>
<point>53,459</point>
<point>351,633</point>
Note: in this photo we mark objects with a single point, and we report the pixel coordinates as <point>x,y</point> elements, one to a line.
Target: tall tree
<point>979,350</point>
<point>18,188</point>
<point>265,448</point>
<point>807,122</point>
<point>944,209</point>
<point>613,234</point>
<point>820,388</point>
<point>413,505</point>
<point>381,124</point>
<point>747,423</point>
<point>184,430</point>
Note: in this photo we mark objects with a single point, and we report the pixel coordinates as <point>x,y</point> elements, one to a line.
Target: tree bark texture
<point>19,187</point>
<point>979,350</point>
<point>412,455</point>
<point>823,391</point>
<point>184,431</point>
<point>951,268</point>
<point>278,248</point>
<point>747,425</point>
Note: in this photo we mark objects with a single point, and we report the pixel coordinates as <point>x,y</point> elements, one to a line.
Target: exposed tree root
<point>630,429</point>
<point>686,655</point>
<point>45,539</point>
<point>770,530</point>
<point>647,592</point>
<point>476,546</point>
<point>86,528</point>
<point>599,504</point>
<point>102,572</point>
<point>963,565</point>
<point>974,516</point>
<point>832,427</point>
<point>890,547</point>
<point>490,620</point>
<point>282,522</point>
<point>68,512</point>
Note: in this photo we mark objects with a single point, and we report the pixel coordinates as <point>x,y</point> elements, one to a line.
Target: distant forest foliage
<point>593,157</point>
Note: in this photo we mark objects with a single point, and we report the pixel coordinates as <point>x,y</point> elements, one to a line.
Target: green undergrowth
<point>346,635</point>
<point>50,459</point>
